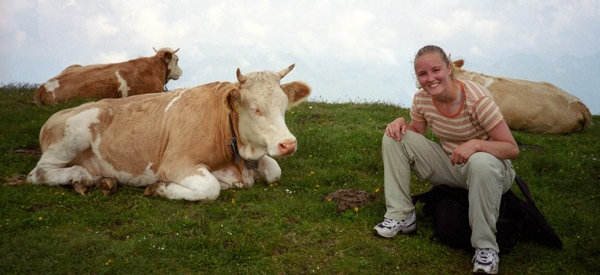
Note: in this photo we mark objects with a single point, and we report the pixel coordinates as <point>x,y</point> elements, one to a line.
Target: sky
<point>360,51</point>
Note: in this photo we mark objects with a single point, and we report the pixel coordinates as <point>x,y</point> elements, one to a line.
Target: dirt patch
<point>349,198</point>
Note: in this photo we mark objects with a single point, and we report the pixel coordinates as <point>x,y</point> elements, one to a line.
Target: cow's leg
<point>197,185</point>
<point>108,185</point>
<point>51,170</point>
<point>231,176</point>
<point>76,139</point>
<point>268,169</point>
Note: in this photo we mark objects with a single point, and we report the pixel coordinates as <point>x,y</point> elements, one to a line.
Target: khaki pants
<point>485,176</point>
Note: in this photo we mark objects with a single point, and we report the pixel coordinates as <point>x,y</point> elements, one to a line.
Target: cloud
<point>99,26</point>
<point>110,57</point>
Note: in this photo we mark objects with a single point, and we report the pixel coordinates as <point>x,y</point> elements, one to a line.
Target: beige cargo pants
<point>485,176</point>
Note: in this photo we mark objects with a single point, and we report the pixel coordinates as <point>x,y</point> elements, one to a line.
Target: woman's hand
<point>463,152</point>
<point>397,128</point>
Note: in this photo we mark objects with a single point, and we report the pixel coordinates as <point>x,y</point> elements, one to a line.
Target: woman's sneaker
<point>485,261</point>
<point>389,228</point>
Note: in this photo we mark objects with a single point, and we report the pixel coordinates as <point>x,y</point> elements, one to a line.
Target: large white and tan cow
<point>179,144</point>
<point>536,107</point>
<point>138,76</point>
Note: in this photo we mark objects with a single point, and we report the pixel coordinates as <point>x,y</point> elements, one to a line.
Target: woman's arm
<point>502,145</point>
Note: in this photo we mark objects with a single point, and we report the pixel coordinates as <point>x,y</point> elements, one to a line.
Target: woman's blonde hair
<point>440,52</point>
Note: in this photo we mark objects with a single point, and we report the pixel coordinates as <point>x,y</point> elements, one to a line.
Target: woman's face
<point>432,73</point>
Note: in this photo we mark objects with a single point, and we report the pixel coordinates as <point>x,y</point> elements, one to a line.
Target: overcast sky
<point>357,50</point>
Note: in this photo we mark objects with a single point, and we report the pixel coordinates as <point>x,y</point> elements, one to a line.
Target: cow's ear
<point>232,99</point>
<point>167,57</point>
<point>458,63</point>
<point>297,92</point>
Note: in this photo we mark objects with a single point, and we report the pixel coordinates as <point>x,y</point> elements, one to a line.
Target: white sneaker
<point>485,260</point>
<point>389,228</point>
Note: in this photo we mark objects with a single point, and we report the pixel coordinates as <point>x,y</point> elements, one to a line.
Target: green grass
<point>284,227</point>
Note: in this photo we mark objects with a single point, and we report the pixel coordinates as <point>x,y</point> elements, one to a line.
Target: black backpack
<point>518,219</point>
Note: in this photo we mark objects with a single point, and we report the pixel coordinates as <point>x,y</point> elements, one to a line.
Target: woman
<point>473,153</point>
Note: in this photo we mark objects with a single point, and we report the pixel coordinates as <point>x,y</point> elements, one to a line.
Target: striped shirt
<point>478,115</point>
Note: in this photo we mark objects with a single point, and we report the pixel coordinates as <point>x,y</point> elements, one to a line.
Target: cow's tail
<point>586,120</point>
<point>39,101</point>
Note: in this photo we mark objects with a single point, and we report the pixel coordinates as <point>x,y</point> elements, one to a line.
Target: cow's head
<point>170,58</point>
<point>260,104</point>
<point>460,73</point>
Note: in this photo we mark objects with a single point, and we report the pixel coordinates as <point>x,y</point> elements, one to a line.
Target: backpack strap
<point>524,189</point>
<point>535,223</point>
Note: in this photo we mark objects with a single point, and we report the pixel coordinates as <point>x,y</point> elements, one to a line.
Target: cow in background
<point>536,107</point>
<point>186,144</point>
<point>138,76</point>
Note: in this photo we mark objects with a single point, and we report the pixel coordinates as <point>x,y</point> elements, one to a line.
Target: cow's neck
<point>233,144</point>
<point>161,62</point>
<point>167,73</point>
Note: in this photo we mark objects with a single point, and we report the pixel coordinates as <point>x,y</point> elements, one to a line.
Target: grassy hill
<point>285,227</point>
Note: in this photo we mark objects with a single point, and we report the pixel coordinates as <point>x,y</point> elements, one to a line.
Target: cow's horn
<point>154,49</point>
<point>285,71</point>
<point>241,78</point>
<point>176,50</point>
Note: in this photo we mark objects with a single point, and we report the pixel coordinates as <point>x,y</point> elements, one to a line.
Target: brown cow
<point>536,107</point>
<point>138,76</point>
<point>186,144</point>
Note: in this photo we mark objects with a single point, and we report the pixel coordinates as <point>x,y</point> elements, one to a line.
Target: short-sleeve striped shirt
<point>478,114</point>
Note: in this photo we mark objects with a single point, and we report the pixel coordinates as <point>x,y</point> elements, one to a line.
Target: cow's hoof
<point>108,186</point>
<point>239,184</point>
<point>152,189</point>
<point>82,187</point>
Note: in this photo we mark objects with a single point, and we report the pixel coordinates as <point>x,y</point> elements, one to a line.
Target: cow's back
<point>115,80</point>
<point>539,107</point>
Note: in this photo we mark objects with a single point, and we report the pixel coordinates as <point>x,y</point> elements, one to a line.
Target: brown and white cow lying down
<point>536,107</point>
<point>176,143</point>
<point>138,76</point>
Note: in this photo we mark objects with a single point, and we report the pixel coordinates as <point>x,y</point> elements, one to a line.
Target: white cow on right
<point>535,107</point>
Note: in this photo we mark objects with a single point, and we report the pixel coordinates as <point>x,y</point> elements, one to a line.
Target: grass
<point>284,227</point>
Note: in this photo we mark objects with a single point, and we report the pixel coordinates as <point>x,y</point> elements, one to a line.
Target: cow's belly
<point>103,169</point>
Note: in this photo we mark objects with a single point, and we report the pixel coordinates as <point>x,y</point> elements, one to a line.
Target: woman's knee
<point>388,143</point>
<point>407,139</point>
<point>481,161</point>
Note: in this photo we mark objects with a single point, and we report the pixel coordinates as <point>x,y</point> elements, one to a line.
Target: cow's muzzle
<point>287,147</point>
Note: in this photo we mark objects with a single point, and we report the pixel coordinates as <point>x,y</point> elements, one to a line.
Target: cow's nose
<point>287,147</point>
